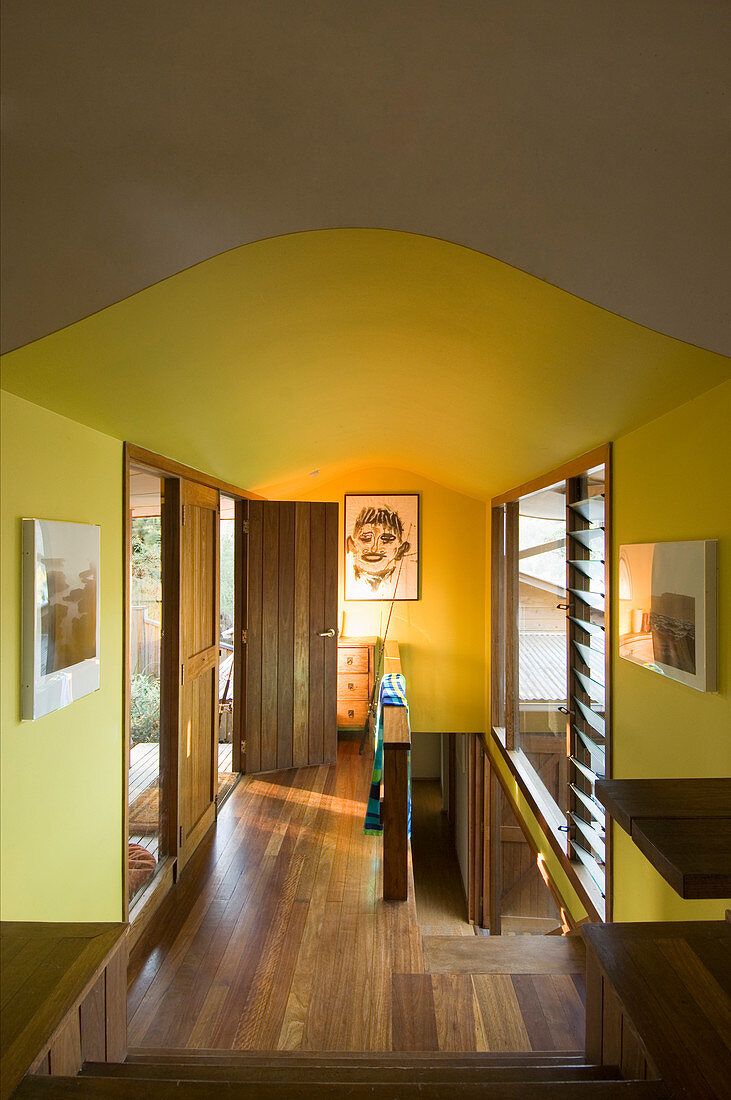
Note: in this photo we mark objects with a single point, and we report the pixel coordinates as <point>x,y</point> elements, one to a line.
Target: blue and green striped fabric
<point>392,692</point>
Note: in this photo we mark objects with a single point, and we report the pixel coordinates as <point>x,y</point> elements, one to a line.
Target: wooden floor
<point>277,937</point>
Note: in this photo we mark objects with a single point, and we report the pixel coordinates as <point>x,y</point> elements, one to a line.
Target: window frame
<point>504,701</point>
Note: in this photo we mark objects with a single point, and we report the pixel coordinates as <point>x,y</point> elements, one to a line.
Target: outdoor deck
<point>144,766</point>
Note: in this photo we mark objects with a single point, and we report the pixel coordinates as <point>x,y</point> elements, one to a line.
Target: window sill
<point>550,818</point>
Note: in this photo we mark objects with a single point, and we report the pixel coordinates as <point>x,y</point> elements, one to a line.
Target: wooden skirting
<point>64,998</point>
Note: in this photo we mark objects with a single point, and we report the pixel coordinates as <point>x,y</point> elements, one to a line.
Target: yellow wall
<point>671,482</point>
<point>441,635</point>
<point>62,774</point>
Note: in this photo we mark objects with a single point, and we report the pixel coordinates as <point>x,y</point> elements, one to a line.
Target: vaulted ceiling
<point>581,141</point>
<point>340,349</point>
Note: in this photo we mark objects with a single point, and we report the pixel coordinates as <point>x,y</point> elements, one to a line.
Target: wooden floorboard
<point>277,937</point>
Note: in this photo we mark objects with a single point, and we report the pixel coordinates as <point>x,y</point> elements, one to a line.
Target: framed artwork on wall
<point>60,614</point>
<point>667,609</point>
<point>382,546</point>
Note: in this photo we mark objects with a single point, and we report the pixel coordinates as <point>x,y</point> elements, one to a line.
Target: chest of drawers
<point>356,674</point>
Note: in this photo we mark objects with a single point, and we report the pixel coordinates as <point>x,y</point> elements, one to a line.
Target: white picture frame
<point>61,614</point>
<point>667,609</point>
<point>381,546</point>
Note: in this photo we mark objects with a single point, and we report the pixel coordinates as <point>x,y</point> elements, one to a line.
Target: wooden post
<point>396,745</point>
<point>395,821</point>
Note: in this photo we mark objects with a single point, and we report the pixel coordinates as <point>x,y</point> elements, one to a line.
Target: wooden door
<point>199,630</point>
<point>291,651</point>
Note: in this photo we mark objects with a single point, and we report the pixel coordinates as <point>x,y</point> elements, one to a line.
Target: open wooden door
<point>198,711</point>
<point>291,650</point>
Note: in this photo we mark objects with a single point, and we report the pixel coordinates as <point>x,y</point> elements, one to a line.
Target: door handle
<point>327,633</point>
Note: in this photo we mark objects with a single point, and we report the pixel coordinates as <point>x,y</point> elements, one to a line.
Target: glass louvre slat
<point>594,690</point>
<point>592,835</point>
<point>591,509</point>
<point>593,569</point>
<point>596,752</point>
<point>593,807</point>
<point>595,720</point>
<point>592,539</point>
<point>585,771</point>
<point>594,629</point>
<point>589,861</point>
<point>592,658</point>
<point>594,600</point>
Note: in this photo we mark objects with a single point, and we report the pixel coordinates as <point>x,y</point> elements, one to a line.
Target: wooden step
<point>385,1058</point>
<point>504,955</point>
<point>118,1088</point>
<point>355,1073</point>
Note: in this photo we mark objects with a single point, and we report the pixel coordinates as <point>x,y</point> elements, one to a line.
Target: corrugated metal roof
<point>542,667</point>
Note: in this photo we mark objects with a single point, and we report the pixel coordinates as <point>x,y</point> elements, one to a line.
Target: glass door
<point>147,759</point>
<point>227,526</point>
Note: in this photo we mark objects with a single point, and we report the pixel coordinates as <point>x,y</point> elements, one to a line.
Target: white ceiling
<point>583,141</point>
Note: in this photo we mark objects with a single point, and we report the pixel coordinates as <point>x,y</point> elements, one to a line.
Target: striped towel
<point>392,692</point>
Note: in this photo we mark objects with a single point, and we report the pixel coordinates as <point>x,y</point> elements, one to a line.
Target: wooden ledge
<point>46,971</point>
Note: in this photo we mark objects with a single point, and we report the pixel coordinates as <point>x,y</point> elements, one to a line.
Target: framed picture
<point>667,609</point>
<point>60,614</point>
<point>382,546</point>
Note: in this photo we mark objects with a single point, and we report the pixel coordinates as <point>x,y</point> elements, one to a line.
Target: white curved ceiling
<point>582,141</point>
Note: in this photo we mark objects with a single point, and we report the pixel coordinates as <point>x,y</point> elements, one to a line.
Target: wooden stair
<point>238,1075</point>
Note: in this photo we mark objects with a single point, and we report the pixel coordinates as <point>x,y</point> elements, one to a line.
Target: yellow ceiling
<point>338,349</point>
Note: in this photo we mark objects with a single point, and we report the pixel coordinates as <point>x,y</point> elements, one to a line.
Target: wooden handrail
<point>396,739</point>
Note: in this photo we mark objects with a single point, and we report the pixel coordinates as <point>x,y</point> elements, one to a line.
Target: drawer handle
<point>350,687</point>
<point>349,661</point>
<point>351,714</point>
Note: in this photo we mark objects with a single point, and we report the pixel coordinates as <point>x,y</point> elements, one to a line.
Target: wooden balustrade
<point>396,743</point>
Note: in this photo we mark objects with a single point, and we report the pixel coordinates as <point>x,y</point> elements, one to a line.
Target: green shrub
<point>145,708</point>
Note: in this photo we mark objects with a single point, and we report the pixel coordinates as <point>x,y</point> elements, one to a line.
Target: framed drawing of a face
<point>382,546</point>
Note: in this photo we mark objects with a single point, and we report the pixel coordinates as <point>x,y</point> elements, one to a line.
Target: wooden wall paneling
<point>485,874</point>
<point>594,1010</point>
<point>269,636</point>
<point>65,1052</point>
<point>452,765</point>
<point>254,634</point>
<point>330,656</point>
<point>317,624</point>
<point>301,685</point>
<point>285,657</point>
<point>115,995</point>
<point>495,846</point>
<point>512,603</point>
<point>471,838</point>
<point>238,752</point>
<point>93,1023</point>
<point>477,828</point>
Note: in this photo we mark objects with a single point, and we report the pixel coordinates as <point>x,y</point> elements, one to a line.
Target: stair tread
<point>364,1073</point>
<point>504,955</point>
<point>222,1055</point>
<point>117,1088</point>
